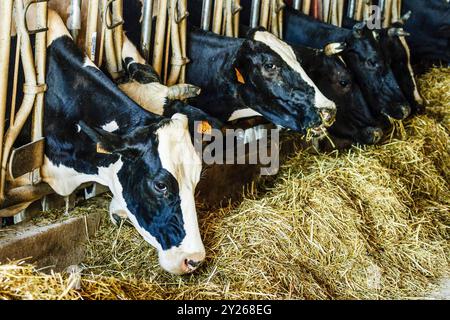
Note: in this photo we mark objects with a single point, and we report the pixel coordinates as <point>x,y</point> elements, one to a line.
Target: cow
<point>259,76</point>
<point>362,55</point>
<point>429,27</point>
<point>354,121</point>
<point>95,133</point>
<point>299,109</point>
<point>396,52</point>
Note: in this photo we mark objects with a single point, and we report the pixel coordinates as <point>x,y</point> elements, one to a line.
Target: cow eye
<point>344,83</point>
<point>371,64</point>
<point>269,66</point>
<point>160,187</point>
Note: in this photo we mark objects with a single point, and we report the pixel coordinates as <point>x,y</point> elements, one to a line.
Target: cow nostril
<point>328,116</point>
<point>191,265</point>
<point>377,134</point>
<point>406,110</point>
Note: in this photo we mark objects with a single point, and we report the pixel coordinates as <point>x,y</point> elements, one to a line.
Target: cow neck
<point>212,68</point>
<point>79,81</point>
<point>312,30</point>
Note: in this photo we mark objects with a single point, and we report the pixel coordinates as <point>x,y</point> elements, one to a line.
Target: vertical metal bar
<point>6,8</point>
<point>381,4</point>
<point>158,47</point>
<point>358,11</point>
<point>146,29</point>
<point>183,34</point>
<point>229,32</point>
<point>218,15</point>
<point>297,4</point>
<point>206,15</point>
<point>340,12</point>
<point>387,13</point>
<point>306,8</point>
<point>91,30</point>
<point>236,17</point>
<point>264,15</point>
<point>74,20</point>
<point>37,130</point>
<point>326,11</point>
<point>351,9</point>
<point>254,13</point>
<point>118,32</point>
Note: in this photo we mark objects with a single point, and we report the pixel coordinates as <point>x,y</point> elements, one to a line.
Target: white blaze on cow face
<point>287,54</point>
<point>178,156</point>
<point>417,95</point>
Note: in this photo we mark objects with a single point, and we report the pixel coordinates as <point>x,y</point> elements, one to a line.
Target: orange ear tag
<point>100,149</point>
<point>239,76</point>
<point>204,127</point>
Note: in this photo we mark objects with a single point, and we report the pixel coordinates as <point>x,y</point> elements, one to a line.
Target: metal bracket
<point>280,6</point>
<point>113,24</point>
<point>180,16</point>
<point>236,8</point>
<point>35,31</point>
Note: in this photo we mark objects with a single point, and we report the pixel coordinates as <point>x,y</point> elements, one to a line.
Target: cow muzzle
<point>328,115</point>
<point>399,111</point>
<point>178,262</point>
<point>372,135</point>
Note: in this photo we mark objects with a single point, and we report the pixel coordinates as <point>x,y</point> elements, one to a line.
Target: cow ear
<point>334,48</point>
<point>108,142</point>
<point>397,32</point>
<point>199,122</point>
<point>405,17</point>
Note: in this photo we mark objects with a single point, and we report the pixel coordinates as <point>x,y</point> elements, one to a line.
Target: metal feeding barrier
<point>332,11</point>
<point>268,14</point>
<point>225,17</point>
<point>20,170</point>
<point>169,38</point>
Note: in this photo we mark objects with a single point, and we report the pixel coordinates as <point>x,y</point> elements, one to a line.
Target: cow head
<point>397,54</point>
<point>154,180</point>
<point>354,120</point>
<point>273,83</point>
<point>364,57</point>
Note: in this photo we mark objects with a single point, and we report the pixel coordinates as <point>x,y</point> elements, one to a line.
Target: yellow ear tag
<point>239,76</point>
<point>204,127</point>
<point>100,149</point>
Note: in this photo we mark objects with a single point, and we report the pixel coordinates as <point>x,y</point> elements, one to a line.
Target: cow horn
<point>182,91</point>
<point>397,32</point>
<point>405,17</point>
<point>334,48</point>
<point>357,28</point>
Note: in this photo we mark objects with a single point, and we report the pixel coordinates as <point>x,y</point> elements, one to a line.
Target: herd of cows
<point>136,138</point>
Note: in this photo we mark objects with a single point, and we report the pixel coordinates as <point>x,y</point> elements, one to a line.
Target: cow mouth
<point>317,132</point>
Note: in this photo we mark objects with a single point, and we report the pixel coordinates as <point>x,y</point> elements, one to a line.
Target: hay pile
<point>368,223</point>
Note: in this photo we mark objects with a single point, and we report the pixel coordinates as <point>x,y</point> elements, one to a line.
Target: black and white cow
<point>362,55</point>
<point>396,52</point>
<point>259,76</point>
<point>355,122</point>
<point>95,133</point>
<point>429,27</point>
<point>237,83</point>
